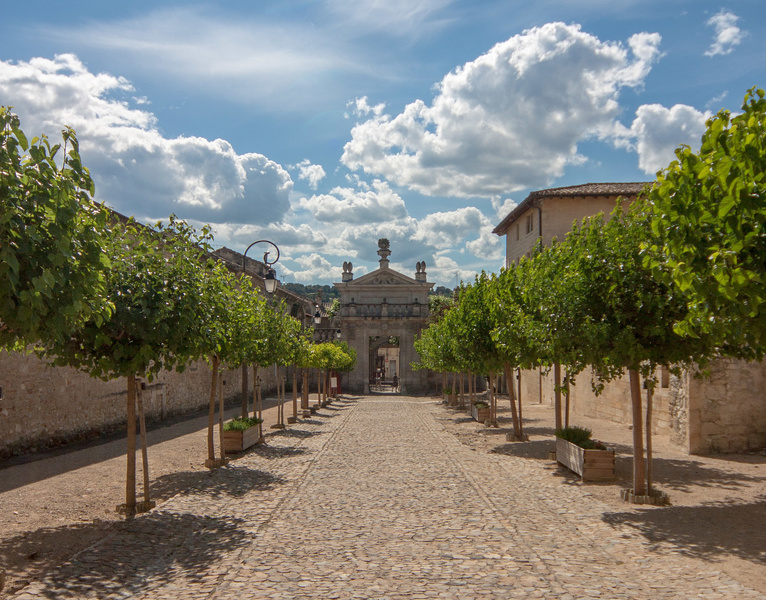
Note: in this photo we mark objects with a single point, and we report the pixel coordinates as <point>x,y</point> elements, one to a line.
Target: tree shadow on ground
<point>295,433</point>
<point>706,532</point>
<point>145,553</point>
<point>231,480</point>
<point>538,449</point>
<point>681,475</point>
<point>272,452</point>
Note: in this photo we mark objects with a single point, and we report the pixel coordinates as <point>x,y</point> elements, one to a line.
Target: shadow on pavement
<point>272,452</point>
<point>705,532</point>
<point>231,480</point>
<point>296,433</point>
<point>151,550</point>
<point>537,449</point>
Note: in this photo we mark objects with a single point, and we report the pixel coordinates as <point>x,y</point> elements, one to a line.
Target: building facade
<point>379,311</point>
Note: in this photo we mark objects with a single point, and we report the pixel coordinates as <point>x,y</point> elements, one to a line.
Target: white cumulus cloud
<point>378,203</point>
<point>311,173</point>
<point>136,169</point>
<point>509,120</point>
<point>727,33</point>
<point>658,131</point>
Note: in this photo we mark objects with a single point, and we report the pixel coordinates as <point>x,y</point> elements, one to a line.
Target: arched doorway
<point>384,363</point>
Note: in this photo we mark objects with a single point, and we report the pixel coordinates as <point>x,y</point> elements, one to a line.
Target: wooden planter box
<point>591,465</point>
<point>239,441</point>
<point>479,414</point>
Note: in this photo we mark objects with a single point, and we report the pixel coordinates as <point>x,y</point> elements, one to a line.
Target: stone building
<point>378,311</point>
<point>723,413</point>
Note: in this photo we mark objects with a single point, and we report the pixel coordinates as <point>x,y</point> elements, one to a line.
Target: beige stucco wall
<point>612,404</point>
<point>558,215</point>
<point>43,405</point>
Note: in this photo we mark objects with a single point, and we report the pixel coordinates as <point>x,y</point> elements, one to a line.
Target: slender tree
<point>155,284</point>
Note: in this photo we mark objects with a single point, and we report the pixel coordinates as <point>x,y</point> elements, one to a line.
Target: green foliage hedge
<point>240,424</point>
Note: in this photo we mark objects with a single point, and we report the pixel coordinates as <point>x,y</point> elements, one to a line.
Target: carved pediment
<point>383,277</point>
<point>385,280</point>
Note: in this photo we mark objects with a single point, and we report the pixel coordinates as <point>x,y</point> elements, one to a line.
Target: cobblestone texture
<point>372,499</point>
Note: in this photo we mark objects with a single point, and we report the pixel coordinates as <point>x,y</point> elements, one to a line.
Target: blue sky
<point>324,125</point>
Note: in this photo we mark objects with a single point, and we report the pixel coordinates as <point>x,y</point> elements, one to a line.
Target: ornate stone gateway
<point>378,311</point>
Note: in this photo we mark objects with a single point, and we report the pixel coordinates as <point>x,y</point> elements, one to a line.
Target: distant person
<point>396,383</point>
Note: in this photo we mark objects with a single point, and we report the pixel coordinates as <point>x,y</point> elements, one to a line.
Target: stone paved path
<point>371,499</point>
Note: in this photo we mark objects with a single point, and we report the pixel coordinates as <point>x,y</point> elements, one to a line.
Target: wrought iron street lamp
<point>337,334</point>
<point>270,281</point>
<point>317,315</point>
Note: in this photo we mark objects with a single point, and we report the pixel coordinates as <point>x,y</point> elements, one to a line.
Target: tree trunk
<point>295,392</point>
<point>471,391</point>
<point>649,398</point>
<point>305,389</point>
<point>444,383</point>
<point>518,399</point>
<point>220,417</point>
<point>211,411</point>
<point>514,415</point>
<point>639,486</point>
<point>566,400</point>
<point>462,389</point>
<point>257,404</point>
<point>144,447</point>
<point>557,393</point>
<point>281,388</point>
<point>130,479</point>
<point>245,387</point>
<point>492,397</point>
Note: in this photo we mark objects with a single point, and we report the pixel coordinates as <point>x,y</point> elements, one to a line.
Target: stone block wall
<point>612,404</point>
<point>44,405</point>
<point>724,413</point>
<point>727,411</point>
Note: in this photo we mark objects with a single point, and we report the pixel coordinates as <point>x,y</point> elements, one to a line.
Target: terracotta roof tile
<point>572,191</point>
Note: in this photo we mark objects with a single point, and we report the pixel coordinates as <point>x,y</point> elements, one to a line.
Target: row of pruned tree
<point>119,299</point>
<point>676,279</point>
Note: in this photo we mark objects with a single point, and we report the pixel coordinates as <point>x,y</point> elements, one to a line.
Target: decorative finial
<point>383,252</point>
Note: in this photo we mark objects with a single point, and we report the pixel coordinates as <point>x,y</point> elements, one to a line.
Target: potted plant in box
<point>239,434</point>
<point>587,457</point>
<point>480,411</point>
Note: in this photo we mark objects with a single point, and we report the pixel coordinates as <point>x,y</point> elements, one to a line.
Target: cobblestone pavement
<point>372,499</point>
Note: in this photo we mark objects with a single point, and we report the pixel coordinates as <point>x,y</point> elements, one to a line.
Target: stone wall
<point>727,411</point>
<point>723,413</point>
<point>44,406</point>
<point>612,404</point>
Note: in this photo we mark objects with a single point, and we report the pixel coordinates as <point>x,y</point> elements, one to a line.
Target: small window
<point>664,377</point>
<point>518,231</point>
<point>530,222</point>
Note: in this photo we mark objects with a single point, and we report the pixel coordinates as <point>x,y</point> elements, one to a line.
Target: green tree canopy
<point>52,260</point>
<point>709,217</point>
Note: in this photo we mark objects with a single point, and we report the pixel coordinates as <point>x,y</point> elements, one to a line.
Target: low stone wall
<point>725,412</point>
<point>46,406</point>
